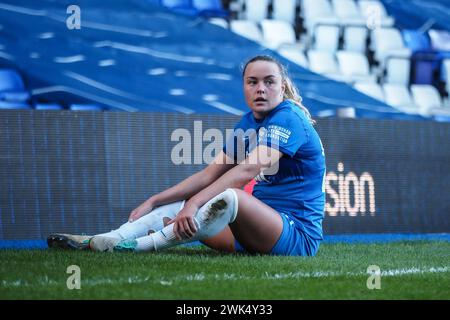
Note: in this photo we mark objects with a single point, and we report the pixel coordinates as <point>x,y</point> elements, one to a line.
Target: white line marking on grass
<point>45,281</point>
<point>413,271</point>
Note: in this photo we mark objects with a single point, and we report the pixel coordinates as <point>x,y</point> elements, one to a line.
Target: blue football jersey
<point>296,186</point>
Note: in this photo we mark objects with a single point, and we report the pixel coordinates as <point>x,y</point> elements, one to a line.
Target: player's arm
<point>188,187</point>
<point>262,158</point>
<point>197,182</point>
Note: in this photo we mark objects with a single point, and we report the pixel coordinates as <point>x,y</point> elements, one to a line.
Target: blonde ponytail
<point>291,93</point>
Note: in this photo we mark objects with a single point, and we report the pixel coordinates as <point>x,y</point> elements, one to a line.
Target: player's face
<point>263,87</point>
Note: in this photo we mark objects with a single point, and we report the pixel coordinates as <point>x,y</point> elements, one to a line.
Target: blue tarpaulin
<point>414,14</point>
<point>134,56</point>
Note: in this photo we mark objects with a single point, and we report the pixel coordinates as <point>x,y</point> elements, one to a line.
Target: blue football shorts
<point>292,242</point>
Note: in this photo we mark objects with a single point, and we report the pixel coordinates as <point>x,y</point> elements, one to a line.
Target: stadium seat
<point>210,8</point>
<point>324,63</point>
<point>440,40</point>
<point>85,107</point>
<point>277,33</point>
<point>284,10</point>
<point>398,96</point>
<point>426,97</point>
<point>12,87</point>
<point>295,55</point>
<point>446,74</point>
<point>348,13</point>
<point>397,70</point>
<point>180,6</point>
<point>425,67</point>
<point>13,105</point>
<point>371,89</point>
<point>247,29</point>
<point>374,9</point>
<point>256,10</point>
<point>10,80</point>
<point>326,38</point>
<point>219,22</point>
<point>355,39</point>
<point>416,40</point>
<point>388,42</point>
<point>14,96</point>
<point>354,66</point>
<point>317,12</point>
<point>48,106</point>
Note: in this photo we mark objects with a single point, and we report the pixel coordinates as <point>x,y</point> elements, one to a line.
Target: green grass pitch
<point>409,270</point>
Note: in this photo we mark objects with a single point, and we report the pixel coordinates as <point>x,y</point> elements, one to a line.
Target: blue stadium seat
<point>425,59</point>
<point>425,67</point>
<point>10,80</point>
<point>176,3</point>
<point>85,107</point>
<point>416,40</point>
<point>13,105</point>
<point>12,88</point>
<point>180,6</point>
<point>48,106</point>
<point>210,8</point>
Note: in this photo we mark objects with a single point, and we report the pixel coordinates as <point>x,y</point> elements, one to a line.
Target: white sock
<point>151,222</point>
<point>144,243</point>
<point>210,219</point>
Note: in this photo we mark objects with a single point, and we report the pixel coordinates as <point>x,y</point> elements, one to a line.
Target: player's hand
<point>183,224</point>
<point>140,211</point>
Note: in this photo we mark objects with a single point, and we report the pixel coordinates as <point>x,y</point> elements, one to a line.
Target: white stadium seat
<point>371,89</point>
<point>398,96</point>
<point>375,12</point>
<point>324,63</point>
<point>348,12</point>
<point>219,22</point>
<point>247,29</point>
<point>398,70</point>
<point>295,55</point>
<point>315,12</point>
<point>426,97</point>
<point>277,33</point>
<point>388,42</point>
<point>256,10</point>
<point>355,38</point>
<point>284,10</point>
<point>440,39</point>
<point>354,66</point>
<point>326,38</point>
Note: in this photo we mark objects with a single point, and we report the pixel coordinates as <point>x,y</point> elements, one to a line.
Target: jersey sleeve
<point>285,132</point>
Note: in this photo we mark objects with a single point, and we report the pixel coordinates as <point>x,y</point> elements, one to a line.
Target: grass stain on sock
<point>215,209</point>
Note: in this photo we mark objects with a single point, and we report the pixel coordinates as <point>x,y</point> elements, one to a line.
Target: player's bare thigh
<point>257,227</point>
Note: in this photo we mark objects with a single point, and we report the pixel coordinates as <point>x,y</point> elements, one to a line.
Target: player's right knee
<point>216,214</point>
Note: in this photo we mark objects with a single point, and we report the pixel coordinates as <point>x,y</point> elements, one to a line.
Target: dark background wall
<point>84,172</point>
